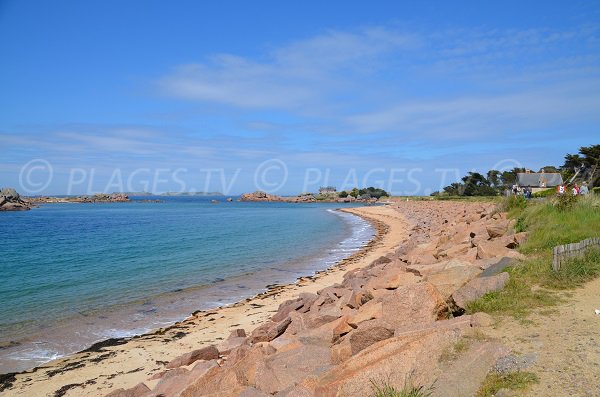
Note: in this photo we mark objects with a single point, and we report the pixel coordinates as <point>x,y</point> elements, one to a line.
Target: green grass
<point>513,381</point>
<point>452,352</point>
<point>548,225</point>
<point>409,390</point>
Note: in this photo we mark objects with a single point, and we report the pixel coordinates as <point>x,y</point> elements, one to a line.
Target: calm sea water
<point>73,274</point>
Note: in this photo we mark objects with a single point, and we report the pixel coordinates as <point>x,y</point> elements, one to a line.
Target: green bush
<point>512,203</point>
<point>596,190</point>
<point>565,202</point>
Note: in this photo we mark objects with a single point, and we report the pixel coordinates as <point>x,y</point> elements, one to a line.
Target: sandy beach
<point>123,363</point>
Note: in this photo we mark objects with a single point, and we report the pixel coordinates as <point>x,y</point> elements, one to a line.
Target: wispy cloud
<point>298,75</point>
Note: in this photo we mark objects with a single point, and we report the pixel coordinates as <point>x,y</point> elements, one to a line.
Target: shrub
<point>596,190</point>
<point>343,194</point>
<point>511,203</point>
<point>564,202</point>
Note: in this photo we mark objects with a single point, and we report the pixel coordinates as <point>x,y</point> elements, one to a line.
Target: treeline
<point>584,166</point>
<point>366,193</point>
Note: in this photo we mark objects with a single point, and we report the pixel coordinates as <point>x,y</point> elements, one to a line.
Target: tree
<point>343,194</point>
<point>354,193</point>
<point>494,177</point>
<point>549,168</point>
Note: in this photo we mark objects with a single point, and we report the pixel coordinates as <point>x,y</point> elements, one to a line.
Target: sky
<point>103,96</point>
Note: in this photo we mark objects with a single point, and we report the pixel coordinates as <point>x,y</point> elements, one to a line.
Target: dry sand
<point>96,373</point>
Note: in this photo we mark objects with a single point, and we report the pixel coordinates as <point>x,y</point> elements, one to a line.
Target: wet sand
<point>116,363</point>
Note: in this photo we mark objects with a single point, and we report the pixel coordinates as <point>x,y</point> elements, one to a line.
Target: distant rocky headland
<point>327,196</point>
<point>11,200</point>
<point>95,198</point>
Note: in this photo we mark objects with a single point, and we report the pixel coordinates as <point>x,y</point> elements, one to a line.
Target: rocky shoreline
<point>372,316</point>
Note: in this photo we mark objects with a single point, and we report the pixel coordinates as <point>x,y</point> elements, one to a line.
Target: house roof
<point>535,179</point>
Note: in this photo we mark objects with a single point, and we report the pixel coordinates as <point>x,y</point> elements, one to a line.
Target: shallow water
<point>74,274</point>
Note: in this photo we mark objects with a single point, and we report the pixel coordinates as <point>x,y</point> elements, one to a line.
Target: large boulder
<point>497,229</point>
<point>270,330</point>
<point>138,390</point>
<point>206,353</point>
<point>478,287</point>
<point>491,249</point>
<point>414,304</point>
<point>452,278</point>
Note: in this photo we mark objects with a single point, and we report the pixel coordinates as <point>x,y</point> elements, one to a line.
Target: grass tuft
<point>519,380</point>
<point>408,390</point>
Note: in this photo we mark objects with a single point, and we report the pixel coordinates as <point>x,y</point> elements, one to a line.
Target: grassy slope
<point>548,225</point>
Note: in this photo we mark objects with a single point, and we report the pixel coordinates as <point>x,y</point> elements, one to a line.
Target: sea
<point>75,274</point>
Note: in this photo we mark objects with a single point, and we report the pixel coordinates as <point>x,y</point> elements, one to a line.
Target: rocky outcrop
<point>10,200</point>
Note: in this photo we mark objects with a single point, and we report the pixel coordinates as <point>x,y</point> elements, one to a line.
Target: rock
<point>231,343</point>
<point>496,229</point>
<point>478,287</point>
<point>368,334</point>
<point>269,331</point>
<point>285,308</point>
<point>253,392</point>
<point>138,390</point>
<point>291,367</point>
<point>10,194</point>
<point>392,279</point>
<point>206,353</point>
<point>521,238</point>
<point>369,311</point>
<point>242,369</point>
<point>456,250</point>
<point>491,249</point>
<point>238,333</point>
<point>414,304</point>
<point>229,199</point>
<point>415,355</point>
<point>481,320</point>
<point>450,279</point>
<point>10,200</point>
<point>259,196</point>
<point>464,375</point>
<point>172,382</point>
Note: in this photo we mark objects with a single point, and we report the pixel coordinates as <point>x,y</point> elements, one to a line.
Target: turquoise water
<point>73,274</point>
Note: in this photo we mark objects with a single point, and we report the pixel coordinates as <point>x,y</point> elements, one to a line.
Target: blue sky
<point>150,95</point>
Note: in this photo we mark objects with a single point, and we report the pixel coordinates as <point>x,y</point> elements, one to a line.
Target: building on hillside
<point>327,190</point>
<point>538,181</point>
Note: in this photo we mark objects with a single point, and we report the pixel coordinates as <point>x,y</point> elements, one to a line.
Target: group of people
<point>525,192</point>
<point>575,190</point>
